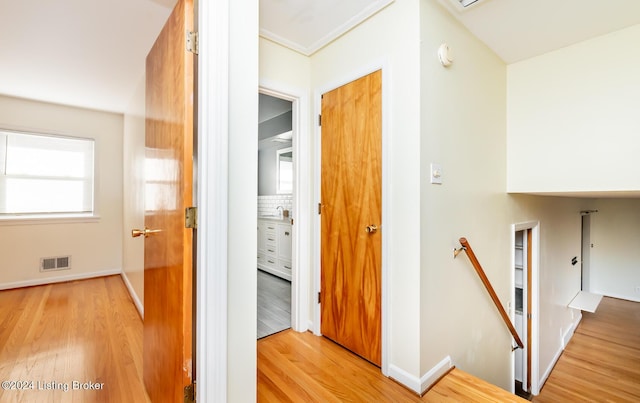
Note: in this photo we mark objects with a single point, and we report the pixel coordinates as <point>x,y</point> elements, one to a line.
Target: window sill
<point>49,219</point>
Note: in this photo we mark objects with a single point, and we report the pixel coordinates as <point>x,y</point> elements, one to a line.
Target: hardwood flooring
<point>600,364</point>
<point>301,367</point>
<point>274,304</point>
<point>89,332</point>
<point>78,334</point>
<point>602,360</point>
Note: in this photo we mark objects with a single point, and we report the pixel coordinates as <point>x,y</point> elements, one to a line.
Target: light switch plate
<point>436,174</point>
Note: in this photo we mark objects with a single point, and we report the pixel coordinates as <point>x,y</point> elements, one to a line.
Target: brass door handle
<point>146,232</point>
<point>371,228</point>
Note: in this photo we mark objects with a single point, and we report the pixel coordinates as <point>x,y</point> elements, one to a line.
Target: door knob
<point>371,228</point>
<point>146,232</point>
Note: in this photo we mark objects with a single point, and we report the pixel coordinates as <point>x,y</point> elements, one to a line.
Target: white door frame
<point>534,226</point>
<point>212,200</point>
<point>386,224</point>
<point>301,197</point>
<point>585,261</point>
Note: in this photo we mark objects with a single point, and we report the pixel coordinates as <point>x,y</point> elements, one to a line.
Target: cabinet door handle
<point>286,233</point>
<point>287,267</point>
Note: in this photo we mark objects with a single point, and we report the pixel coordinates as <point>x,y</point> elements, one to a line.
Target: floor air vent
<point>55,263</point>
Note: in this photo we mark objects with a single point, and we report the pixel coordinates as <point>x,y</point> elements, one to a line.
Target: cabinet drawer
<point>270,249</point>
<point>270,261</point>
<point>285,266</point>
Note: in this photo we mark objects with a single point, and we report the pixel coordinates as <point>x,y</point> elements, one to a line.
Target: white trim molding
<point>422,384</point>
<point>384,66</point>
<point>133,294</point>
<point>301,228</point>
<point>211,199</point>
<point>534,226</point>
<point>59,279</point>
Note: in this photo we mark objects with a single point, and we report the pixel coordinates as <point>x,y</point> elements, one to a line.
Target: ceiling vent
<point>462,5</point>
<point>467,3</point>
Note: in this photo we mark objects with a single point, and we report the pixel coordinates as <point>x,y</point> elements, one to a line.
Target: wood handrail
<point>490,290</point>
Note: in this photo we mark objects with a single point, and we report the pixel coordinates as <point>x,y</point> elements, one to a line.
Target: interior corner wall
<point>94,247</point>
<point>390,40</point>
<point>133,194</point>
<point>464,118</point>
<point>573,116</point>
<point>463,125</point>
<point>614,268</point>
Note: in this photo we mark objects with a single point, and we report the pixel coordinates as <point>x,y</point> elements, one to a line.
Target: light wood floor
<point>274,304</point>
<point>600,364</point>
<point>602,360</point>
<point>82,331</point>
<point>301,367</point>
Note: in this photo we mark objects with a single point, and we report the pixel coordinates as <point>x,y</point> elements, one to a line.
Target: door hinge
<point>319,208</point>
<point>319,120</point>
<point>190,393</point>
<point>529,316</point>
<point>319,297</point>
<point>191,217</point>
<point>192,42</point>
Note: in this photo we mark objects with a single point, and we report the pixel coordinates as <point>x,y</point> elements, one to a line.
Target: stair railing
<point>487,284</point>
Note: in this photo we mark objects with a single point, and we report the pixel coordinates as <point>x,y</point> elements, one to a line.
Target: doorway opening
<point>524,309</point>
<point>585,263</point>
<point>275,214</point>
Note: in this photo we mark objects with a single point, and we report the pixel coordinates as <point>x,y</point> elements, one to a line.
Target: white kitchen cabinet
<point>274,247</point>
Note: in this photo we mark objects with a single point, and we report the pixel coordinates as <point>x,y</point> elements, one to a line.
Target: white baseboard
<point>420,385</point>
<point>552,364</point>
<point>132,293</point>
<point>59,279</point>
<point>619,296</point>
<point>566,337</point>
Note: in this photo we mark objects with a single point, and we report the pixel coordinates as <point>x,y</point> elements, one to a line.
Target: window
<point>284,170</point>
<point>45,175</point>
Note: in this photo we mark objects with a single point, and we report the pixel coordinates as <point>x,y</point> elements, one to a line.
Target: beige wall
<point>464,114</point>
<point>456,117</point>
<point>463,125</point>
<point>573,116</point>
<point>133,195</point>
<point>95,247</point>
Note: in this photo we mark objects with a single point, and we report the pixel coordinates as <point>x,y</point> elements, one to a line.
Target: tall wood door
<point>168,276</point>
<point>351,215</point>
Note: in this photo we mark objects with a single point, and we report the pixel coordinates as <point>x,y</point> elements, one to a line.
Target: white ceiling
<point>91,53</point>
<point>308,25</point>
<point>519,29</point>
<point>87,53</point>
<point>270,107</point>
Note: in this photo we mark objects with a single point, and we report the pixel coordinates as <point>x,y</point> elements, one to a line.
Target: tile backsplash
<point>268,205</point>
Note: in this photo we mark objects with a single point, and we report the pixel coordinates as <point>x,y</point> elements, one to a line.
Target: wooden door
<point>167,349</point>
<point>351,215</point>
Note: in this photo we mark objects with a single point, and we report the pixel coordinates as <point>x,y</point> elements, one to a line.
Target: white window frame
<point>89,181</point>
